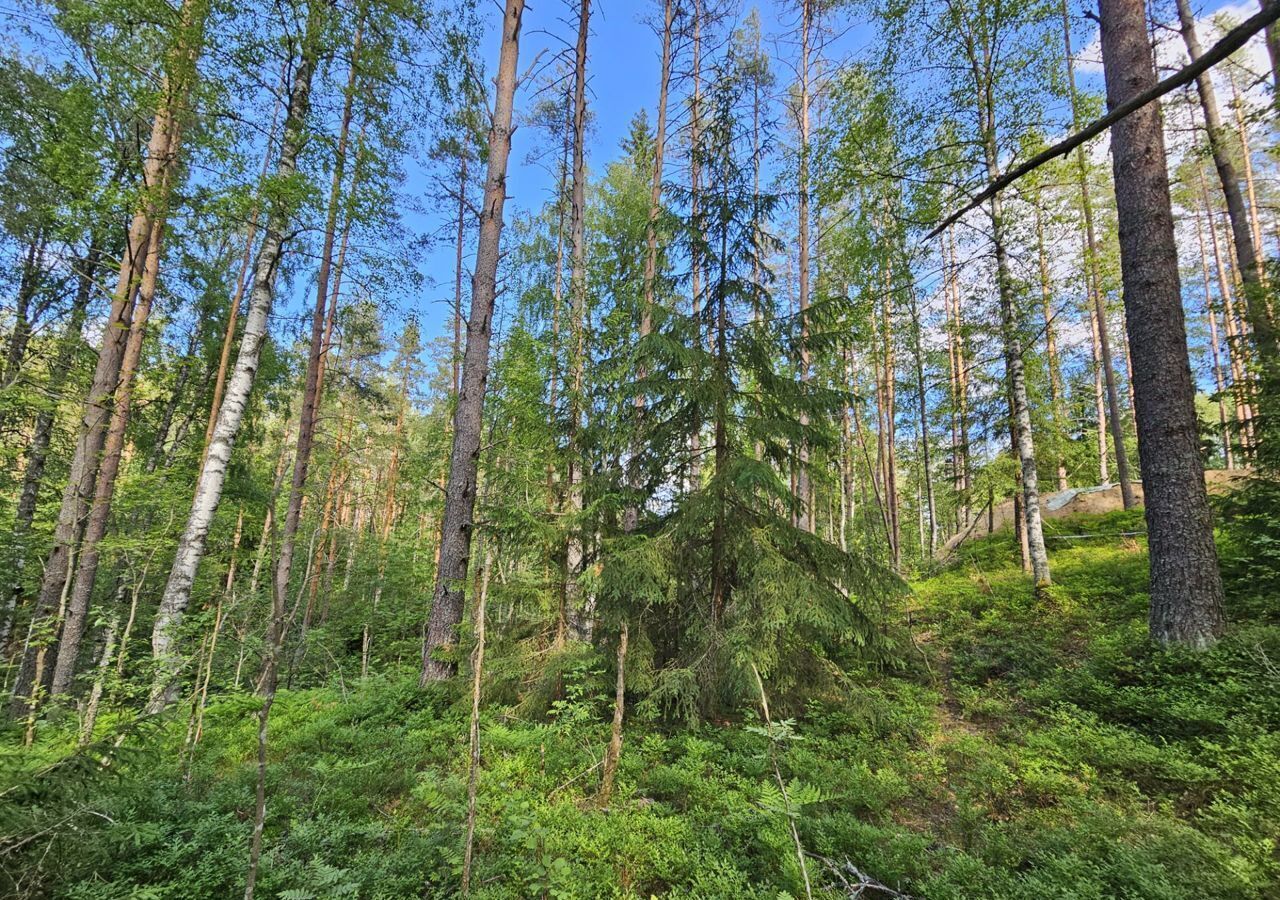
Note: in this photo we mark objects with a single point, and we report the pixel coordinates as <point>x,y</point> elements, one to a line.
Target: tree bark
<point>460,488</point>
<point>574,614</point>
<point>632,514</point>
<point>157,178</point>
<point>1215,346</point>
<point>1237,344</point>
<point>959,359</point>
<point>1106,398</point>
<point>889,385</point>
<point>312,388</point>
<point>213,472</point>
<point>1015,371</point>
<point>28,287</point>
<point>922,399</point>
<point>806,516</point>
<point>1264,332</point>
<point>77,613</point>
<point>1246,160</point>
<point>1053,363</point>
<point>1186,588</point>
<point>38,452</point>
<point>614,753</point>
<point>242,280</point>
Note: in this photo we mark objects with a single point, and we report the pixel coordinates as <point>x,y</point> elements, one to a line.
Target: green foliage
<point>1036,749</point>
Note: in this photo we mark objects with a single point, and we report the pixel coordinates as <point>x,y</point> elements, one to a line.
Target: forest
<point>640,448</point>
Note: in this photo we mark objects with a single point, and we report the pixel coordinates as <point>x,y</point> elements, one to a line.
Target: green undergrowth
<point>1030,748</point>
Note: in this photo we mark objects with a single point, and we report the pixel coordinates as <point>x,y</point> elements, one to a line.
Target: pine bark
<point>158,167</point>
<point>460,488</point>
<point>77,612</point>
<point>1186,588</point>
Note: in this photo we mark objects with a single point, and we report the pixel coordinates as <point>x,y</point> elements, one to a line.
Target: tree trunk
<point>1057,398</point>
<point>614,754</point>
<point>1264,332</point>
<point>455,358</point>
<point>890,387</point>
<point>77,612</point>
<point>242,280</point>
<point>1246,159</point>
<point>695,254</point>
<point>213,472</point>
<point>1015,371</point>
<point>460,489</point>
<point>574,613</point>
<point>632,514</point>
<point>1015,374</point>
<point>312,387</point>
<point>1186,589</point>
<point>922,394</point>
<point>158,169</point>
<point>1106,398</point>
<point>1237,345</point>
<point>28,286</point>
<point>1215,345</point>
<point>38,452</point>
<point>806,516</point>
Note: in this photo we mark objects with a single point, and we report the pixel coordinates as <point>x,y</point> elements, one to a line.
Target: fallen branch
<point>855,882</point>
<point>1232,41</point>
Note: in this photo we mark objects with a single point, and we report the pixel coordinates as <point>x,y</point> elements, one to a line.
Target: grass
<point>1028,749</point>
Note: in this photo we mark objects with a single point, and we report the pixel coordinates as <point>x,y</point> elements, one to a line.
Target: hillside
<point>1024,749</point>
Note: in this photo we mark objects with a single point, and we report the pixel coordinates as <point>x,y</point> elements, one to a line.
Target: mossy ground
<point>1027,748</point>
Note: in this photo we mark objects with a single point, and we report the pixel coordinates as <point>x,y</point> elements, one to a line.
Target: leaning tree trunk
<point>242,280</point>
<point>161,161</point>
<point>1186,588</point>
<point>38,451</point>
<point>28,287</point>
<point>77,612</point>
<point>213,472</point>
<point>460,488</point>
<point>1264,331</point>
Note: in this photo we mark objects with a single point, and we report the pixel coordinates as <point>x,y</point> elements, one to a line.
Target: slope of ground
<point>1076,502</point>
<point>1024,749</point>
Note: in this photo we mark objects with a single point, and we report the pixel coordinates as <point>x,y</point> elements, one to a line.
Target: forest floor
<point>1024,748</point>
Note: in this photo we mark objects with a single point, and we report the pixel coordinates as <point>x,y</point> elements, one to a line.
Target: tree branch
<point>1232,41</point>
